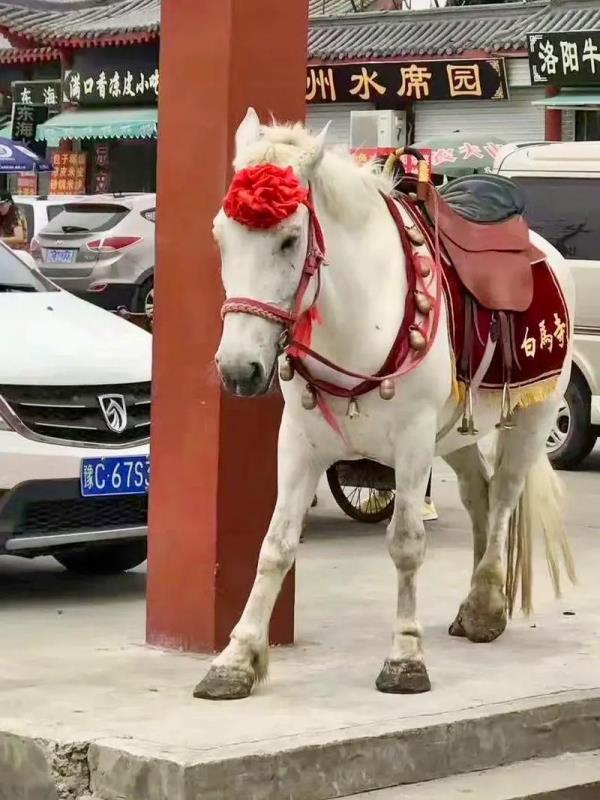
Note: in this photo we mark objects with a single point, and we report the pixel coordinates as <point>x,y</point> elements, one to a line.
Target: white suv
<point>74,426</point>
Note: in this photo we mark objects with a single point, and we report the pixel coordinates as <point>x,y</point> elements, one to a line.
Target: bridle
<point>417,332</point>
<point>290,319</point>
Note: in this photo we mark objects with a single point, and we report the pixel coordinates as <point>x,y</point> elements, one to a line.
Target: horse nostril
<point>255,371</point>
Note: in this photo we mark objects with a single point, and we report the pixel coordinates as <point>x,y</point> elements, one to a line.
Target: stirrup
<point>467,425</point>
<point>507,420</point>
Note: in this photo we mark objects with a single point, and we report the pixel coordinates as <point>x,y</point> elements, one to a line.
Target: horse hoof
<point>483,627</point>
<point>225,683</point>
<point>403,677</point>
<point>456,629</point>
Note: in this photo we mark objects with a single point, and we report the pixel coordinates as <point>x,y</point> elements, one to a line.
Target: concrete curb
<point>359,759</point>
<point>319,767</point>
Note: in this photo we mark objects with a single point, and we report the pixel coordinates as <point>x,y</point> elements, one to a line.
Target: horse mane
<point>347,190</point>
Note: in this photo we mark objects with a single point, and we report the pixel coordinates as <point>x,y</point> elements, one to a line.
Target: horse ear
<point>248,132</point>
<point>320,144</point>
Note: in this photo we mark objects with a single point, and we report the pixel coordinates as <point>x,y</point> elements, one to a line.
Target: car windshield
<point>86,218</point>
<point>16,276</point>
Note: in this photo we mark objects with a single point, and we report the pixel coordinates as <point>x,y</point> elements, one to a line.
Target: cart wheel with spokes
<point>360,499</point>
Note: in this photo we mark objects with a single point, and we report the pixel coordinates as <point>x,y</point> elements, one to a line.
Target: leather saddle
<point>486,239</point>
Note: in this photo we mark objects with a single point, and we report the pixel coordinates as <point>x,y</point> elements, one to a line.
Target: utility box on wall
<point>369,129</point>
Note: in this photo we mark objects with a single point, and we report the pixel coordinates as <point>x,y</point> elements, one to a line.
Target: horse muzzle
<point>243,378</point>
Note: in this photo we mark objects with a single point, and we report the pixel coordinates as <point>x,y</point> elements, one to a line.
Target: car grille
<point>82,514</point>
<point>73,413</point>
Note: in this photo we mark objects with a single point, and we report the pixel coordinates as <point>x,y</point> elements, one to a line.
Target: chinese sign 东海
<point>69,173</point>
<point>25,121</point>
<point>390,84</point>
<point>40,93</point>
<point>111,87</point>
<point>565,59</point>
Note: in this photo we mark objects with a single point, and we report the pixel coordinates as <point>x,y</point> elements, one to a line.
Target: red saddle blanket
<point>539,335</point>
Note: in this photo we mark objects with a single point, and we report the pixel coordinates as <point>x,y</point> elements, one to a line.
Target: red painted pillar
<point>553,119</point>
<point>213,458</point>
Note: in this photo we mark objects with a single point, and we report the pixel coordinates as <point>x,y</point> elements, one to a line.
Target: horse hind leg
<point>473,474</point>
<point>520,458</point>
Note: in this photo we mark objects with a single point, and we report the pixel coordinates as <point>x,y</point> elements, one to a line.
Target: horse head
<point>263,231</point>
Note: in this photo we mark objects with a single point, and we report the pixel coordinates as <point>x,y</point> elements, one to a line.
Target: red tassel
<point>303,331</point>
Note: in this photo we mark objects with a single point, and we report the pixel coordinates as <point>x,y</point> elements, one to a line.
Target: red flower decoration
<point>262,196</point>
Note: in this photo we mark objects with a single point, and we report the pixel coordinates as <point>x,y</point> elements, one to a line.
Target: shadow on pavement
<point>26,582</point>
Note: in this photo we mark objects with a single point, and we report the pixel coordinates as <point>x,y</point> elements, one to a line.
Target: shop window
<point>565,212</point>
<point>587,126</point>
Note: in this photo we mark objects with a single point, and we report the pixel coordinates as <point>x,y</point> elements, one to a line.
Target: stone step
<point>572,776</point>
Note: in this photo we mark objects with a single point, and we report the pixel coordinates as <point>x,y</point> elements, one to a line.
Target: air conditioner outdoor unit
<point>377,129</point>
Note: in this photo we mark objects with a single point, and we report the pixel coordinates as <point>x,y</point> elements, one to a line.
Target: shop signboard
<point>41,93</point>
<point>25,120</point>
<point>393,84</point>
<point>565,59</point>
<point>69,174</point>
<point>27,183</point>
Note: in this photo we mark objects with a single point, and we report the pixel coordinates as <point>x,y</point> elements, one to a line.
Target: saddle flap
<point>499,280</point>
<point>510,235</point>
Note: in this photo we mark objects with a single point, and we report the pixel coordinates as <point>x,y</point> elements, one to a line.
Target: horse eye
<point>289,242</point>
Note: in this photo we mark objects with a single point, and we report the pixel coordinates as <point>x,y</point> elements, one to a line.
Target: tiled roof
<point>59,20</point>
<point>333,8</point>
<point>446,31</point>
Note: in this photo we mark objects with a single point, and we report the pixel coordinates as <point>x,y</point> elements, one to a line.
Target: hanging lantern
<point>286,370</point>
<point>423,303</point>
<point>387,389</point>
<point>309,398</point>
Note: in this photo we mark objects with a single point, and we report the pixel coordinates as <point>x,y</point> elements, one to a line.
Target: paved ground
<point>74,666</point>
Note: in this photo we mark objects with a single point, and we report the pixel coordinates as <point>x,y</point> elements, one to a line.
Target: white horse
<point>361,303</point>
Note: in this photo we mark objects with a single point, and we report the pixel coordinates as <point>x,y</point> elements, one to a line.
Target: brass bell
<point>416,340</point>
<point>424,267</point>
<point>309,398</point>
<point>387,389</point>
<point>423,303</point>
<point>353,410</point>
<point>415,235</point>
<point>286,370</point>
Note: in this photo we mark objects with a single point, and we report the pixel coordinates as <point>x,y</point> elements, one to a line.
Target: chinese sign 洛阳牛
<point>565,59</point>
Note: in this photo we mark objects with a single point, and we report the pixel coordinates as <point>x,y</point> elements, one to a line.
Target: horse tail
<point>541,506</point>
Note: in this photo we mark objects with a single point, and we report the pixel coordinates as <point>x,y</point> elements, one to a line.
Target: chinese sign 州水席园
<point>69,173</point>
<point>40,93</point>
<point>389,84</point>
<point>111,86</point>
<point>565,59</point>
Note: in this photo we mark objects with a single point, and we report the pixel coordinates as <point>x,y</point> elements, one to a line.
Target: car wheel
<point>106,559</point>
<point>145,299</point>
<point>572,438</point>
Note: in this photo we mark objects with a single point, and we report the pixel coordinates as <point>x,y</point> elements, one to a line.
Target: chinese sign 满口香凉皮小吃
<point>389,84</point>
<point>69,176</point>
<point>564,59</point>
<point>111,86</point>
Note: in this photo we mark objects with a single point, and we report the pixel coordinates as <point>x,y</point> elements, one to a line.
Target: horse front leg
<point>404,670</point>
<point>245,659</point>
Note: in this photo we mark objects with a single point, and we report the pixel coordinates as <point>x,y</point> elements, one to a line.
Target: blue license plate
<point>115,475</point>
<point>61,256</point>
